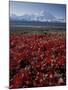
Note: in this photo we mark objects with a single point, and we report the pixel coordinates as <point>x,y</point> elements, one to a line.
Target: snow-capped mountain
<point>42,17</point>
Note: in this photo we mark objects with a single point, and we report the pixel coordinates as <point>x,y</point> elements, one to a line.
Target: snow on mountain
<point>42,17</point>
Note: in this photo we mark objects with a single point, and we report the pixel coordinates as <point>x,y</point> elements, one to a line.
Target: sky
<point>20,8</point>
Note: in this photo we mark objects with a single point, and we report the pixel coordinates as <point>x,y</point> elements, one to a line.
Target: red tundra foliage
<point>37,60</point>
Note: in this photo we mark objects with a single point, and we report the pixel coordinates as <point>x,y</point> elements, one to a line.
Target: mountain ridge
<point>43,17</point>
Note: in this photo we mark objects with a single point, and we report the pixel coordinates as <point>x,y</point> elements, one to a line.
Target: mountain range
<point>42,17</point>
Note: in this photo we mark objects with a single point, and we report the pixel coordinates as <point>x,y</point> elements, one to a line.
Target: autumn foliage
<point>37,60</point>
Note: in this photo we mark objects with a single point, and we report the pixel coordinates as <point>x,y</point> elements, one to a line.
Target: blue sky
<point>20,8</point>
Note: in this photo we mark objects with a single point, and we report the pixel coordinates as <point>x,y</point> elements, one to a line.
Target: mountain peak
<point>42,17</point>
